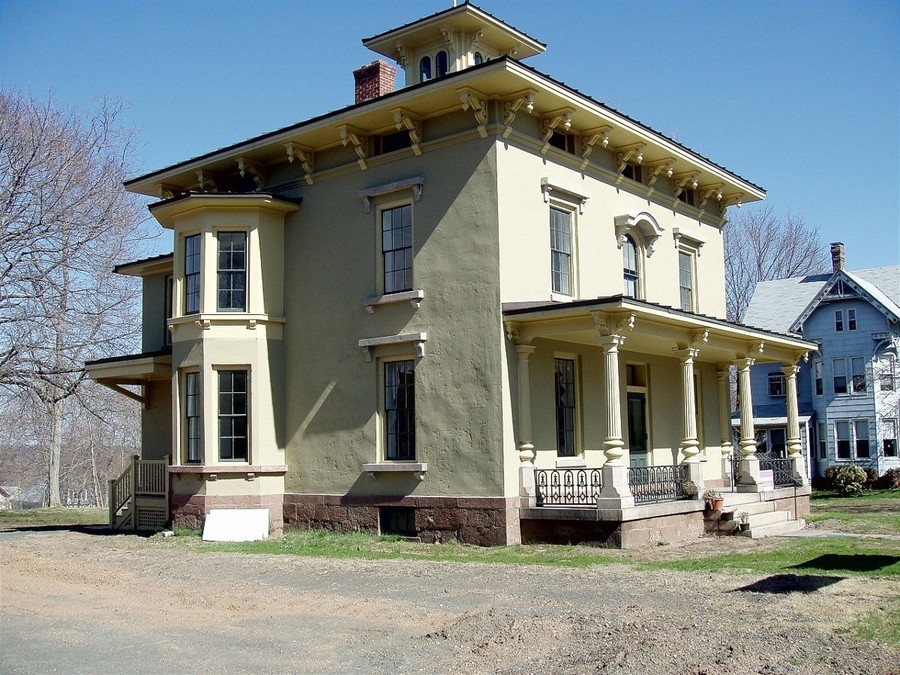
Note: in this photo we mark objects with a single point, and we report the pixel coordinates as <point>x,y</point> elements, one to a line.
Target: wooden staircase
<point>139,498</point>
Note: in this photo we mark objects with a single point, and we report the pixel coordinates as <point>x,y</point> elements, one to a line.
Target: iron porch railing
<point>567,487</point>
<point>782,469</point>
<point>655,484</point>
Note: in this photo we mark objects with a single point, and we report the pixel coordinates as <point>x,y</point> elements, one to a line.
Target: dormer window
<point>425,69</point>
<point>441,63</point>
<point>688,197</point>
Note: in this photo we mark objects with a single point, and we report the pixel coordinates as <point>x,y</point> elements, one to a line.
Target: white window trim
<point>416,184</point>
<point>416,339</point>
<point>414,298</point>
<point>574,285</point>
<point>566,195</point>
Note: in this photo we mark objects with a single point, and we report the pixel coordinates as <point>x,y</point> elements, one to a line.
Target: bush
<point>889,481</point>
<point>871,478</point>
<point>849,480</point>
<point>828,480</point>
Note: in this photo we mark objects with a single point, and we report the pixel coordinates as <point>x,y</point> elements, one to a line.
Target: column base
<point>798,464</point>
<point>749,478</point>
<point>695,475</point>
<point>615,493</point>
<point>527,488</point>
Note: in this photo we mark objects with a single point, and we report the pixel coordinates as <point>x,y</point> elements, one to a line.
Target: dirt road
<point>75,602</point>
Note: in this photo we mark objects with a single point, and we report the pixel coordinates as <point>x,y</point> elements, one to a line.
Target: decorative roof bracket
<point>654,169</point>
<point>521,100</point>
<point>627,153</point>
<point>403,119</point>
<point>402,57</point>
<point>709,192</point>
<point>590,138</point>
<point>733,199</point>
<point>254,168</point>
<point>306,157</point>
<point>205,182</point>
<point>476,101</point>
<point>610,324</point>
<point>682,182</point>
<point>360,143</point>
<point>550,122</point>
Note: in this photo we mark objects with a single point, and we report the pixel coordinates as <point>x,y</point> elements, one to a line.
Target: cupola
<point>450,41</point>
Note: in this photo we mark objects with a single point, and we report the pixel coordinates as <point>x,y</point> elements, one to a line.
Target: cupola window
<point>425,69</point>
<point>441,63</point>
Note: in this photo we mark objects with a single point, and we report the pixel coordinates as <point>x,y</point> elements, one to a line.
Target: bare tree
<point>760,246</point>
<point>66,221</point>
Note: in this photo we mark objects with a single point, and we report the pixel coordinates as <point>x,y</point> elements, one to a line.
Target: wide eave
<point>500,79</point>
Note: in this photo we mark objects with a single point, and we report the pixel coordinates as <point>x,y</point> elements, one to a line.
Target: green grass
<point>874,512</point>
<point>832,556</point>
<point>55,517</point>
<point>882,625</point>
<point>843,556</point>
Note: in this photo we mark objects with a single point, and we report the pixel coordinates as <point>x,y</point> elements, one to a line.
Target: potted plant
<point>714,500</point>
<point>689,488</point>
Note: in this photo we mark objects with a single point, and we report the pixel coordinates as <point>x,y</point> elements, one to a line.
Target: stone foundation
<point>484,521</point>
<point>189,511</point>
<point>798,506</point>
<point>629,534</point>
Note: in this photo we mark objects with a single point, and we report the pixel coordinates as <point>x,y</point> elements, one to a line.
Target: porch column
<point>722,374</point>
<point>690,446</point>
<point>526,444</point>
<point>795,449</point>
<point>749,477</point>
<point>615,492</point>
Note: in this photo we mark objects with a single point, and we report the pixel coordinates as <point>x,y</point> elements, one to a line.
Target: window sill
<point>212,472</point>
<point>413,297</point>
<point>570,463</point>
<point>416,468</point>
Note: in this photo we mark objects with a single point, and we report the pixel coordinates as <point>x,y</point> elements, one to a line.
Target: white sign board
<point>767,480</point>
<point>236,525</point>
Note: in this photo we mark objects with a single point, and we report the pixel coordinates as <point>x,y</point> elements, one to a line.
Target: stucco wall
<point>156,420</point>
<point>525,233</point>
<point>332,392</point>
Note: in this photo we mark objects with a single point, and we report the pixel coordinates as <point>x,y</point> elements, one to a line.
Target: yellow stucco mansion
<point>481,306</point>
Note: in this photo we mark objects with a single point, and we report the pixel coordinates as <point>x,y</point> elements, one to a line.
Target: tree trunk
<point>54,409</point>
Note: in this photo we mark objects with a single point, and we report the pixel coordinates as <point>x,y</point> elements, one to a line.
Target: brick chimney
<point>374,80</point>
<point>837,256</point>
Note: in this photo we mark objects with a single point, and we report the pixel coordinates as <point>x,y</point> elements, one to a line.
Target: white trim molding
<point>416,184</point>
<point>417,339</point>
<point>567,192</point>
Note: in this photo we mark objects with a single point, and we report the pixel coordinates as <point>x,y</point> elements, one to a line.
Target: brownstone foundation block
<point>472,520</point>
<point>189,511</point>
<point>798,506</point>
<point>629,534</point>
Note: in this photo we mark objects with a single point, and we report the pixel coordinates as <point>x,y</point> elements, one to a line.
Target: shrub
<point>890,480</point>
<point>849,480</point>
<point>828,480</point>
<point>871,478</point>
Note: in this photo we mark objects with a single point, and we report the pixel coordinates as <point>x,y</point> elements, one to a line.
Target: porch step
<point>757,520</point>
<point>774,529</point>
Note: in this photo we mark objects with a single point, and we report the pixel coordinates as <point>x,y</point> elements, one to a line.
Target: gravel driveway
<point>77,602</point>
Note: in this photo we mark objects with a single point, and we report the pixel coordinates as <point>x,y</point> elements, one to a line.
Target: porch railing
<point>567,487</point>
<point>657,483</point>
<point>782,469</point>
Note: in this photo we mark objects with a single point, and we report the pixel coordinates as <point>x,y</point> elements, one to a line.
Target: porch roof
<point>132,369</point>
<point>649,328</point>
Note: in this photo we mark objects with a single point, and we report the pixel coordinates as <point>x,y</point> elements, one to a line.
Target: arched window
<point>425,69</point>
<point>440,63</point>
<point>630,266</point>
<point>478,58</point>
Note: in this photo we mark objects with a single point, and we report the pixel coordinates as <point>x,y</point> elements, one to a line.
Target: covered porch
<point>623,408</point>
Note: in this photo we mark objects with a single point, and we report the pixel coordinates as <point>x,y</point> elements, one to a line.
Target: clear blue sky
<point>801,97</point>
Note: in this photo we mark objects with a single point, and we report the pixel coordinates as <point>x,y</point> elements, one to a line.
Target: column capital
<point>611,342</point>
<point>790,370</point>
<point>744,362</point>
<point>688,354</point>
<point>524,351</point>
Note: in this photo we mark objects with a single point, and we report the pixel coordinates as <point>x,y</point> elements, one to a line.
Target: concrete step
<point>761,519</point>
<point>774,529</point>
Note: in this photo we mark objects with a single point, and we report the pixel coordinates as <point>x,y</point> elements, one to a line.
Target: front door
<point>637,429</point>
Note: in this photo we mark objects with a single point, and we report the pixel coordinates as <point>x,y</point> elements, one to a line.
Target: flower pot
<point>716,503</point>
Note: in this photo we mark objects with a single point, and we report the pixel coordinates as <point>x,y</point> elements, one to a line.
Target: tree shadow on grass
<point>97,530</point>
<point>858,562</point>
<point>788,583</point>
